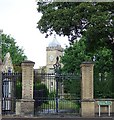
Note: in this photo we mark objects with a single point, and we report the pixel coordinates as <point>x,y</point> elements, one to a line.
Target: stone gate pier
<point>87,101</point>
<point>25,106</point>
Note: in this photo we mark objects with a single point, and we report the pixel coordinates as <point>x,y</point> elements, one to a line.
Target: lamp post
<point>57,67</point>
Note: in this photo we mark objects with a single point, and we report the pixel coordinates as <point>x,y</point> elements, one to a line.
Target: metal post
<point>1,45</point>
<point>108,110</point>
<point>99,110</point>
<point>57,67</point>
<point>57,94</point>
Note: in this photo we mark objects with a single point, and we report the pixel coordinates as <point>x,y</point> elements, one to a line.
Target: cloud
<point>19,18</point>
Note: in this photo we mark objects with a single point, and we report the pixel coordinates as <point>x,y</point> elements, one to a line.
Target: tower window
<point>51,84</point>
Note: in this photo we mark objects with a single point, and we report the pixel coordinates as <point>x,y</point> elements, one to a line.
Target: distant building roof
<point>54,43</point>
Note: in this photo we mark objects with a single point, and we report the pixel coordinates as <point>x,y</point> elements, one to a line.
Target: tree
<point>76,54</point>
<point>93,20</point>
<point>9,45</point>
<point>17,56</point>
<point>78,19</point>
<point>74,19</point>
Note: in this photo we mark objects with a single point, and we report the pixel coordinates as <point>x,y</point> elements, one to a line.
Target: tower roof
<point>54,43</point>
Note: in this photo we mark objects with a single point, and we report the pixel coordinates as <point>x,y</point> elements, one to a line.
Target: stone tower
<point>53,50</point>
<point>7,64</point>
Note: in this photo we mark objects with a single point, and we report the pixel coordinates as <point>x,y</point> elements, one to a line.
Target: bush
<point>40,94</point>
<point>52,95</point>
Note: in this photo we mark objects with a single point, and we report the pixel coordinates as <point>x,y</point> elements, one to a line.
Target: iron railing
<point>103,85</point>
<point>57,94</point>
<point>10,83</point>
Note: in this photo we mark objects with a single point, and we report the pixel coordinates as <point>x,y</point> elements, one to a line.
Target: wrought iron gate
<point>9,82</point>
<point>57,93</point>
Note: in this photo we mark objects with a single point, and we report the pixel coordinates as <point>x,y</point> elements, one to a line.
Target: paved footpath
<point>56,118</point>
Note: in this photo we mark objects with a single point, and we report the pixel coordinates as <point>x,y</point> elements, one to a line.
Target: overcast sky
<point>19,18</point>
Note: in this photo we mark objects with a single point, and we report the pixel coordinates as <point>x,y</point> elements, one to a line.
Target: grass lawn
<point>62,104</point>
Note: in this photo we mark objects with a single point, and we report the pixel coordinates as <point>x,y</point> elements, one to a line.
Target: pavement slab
<point>56,118</point>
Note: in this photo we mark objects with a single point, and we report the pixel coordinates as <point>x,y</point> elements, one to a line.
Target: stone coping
<point>25,100</point>
<point>88,100</point>
<point>87,62</point>
<point>27,62</point>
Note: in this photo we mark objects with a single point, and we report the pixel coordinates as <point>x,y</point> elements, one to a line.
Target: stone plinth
<point>88,108</point>
<point>25,106</point>
<point>87,104</point>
